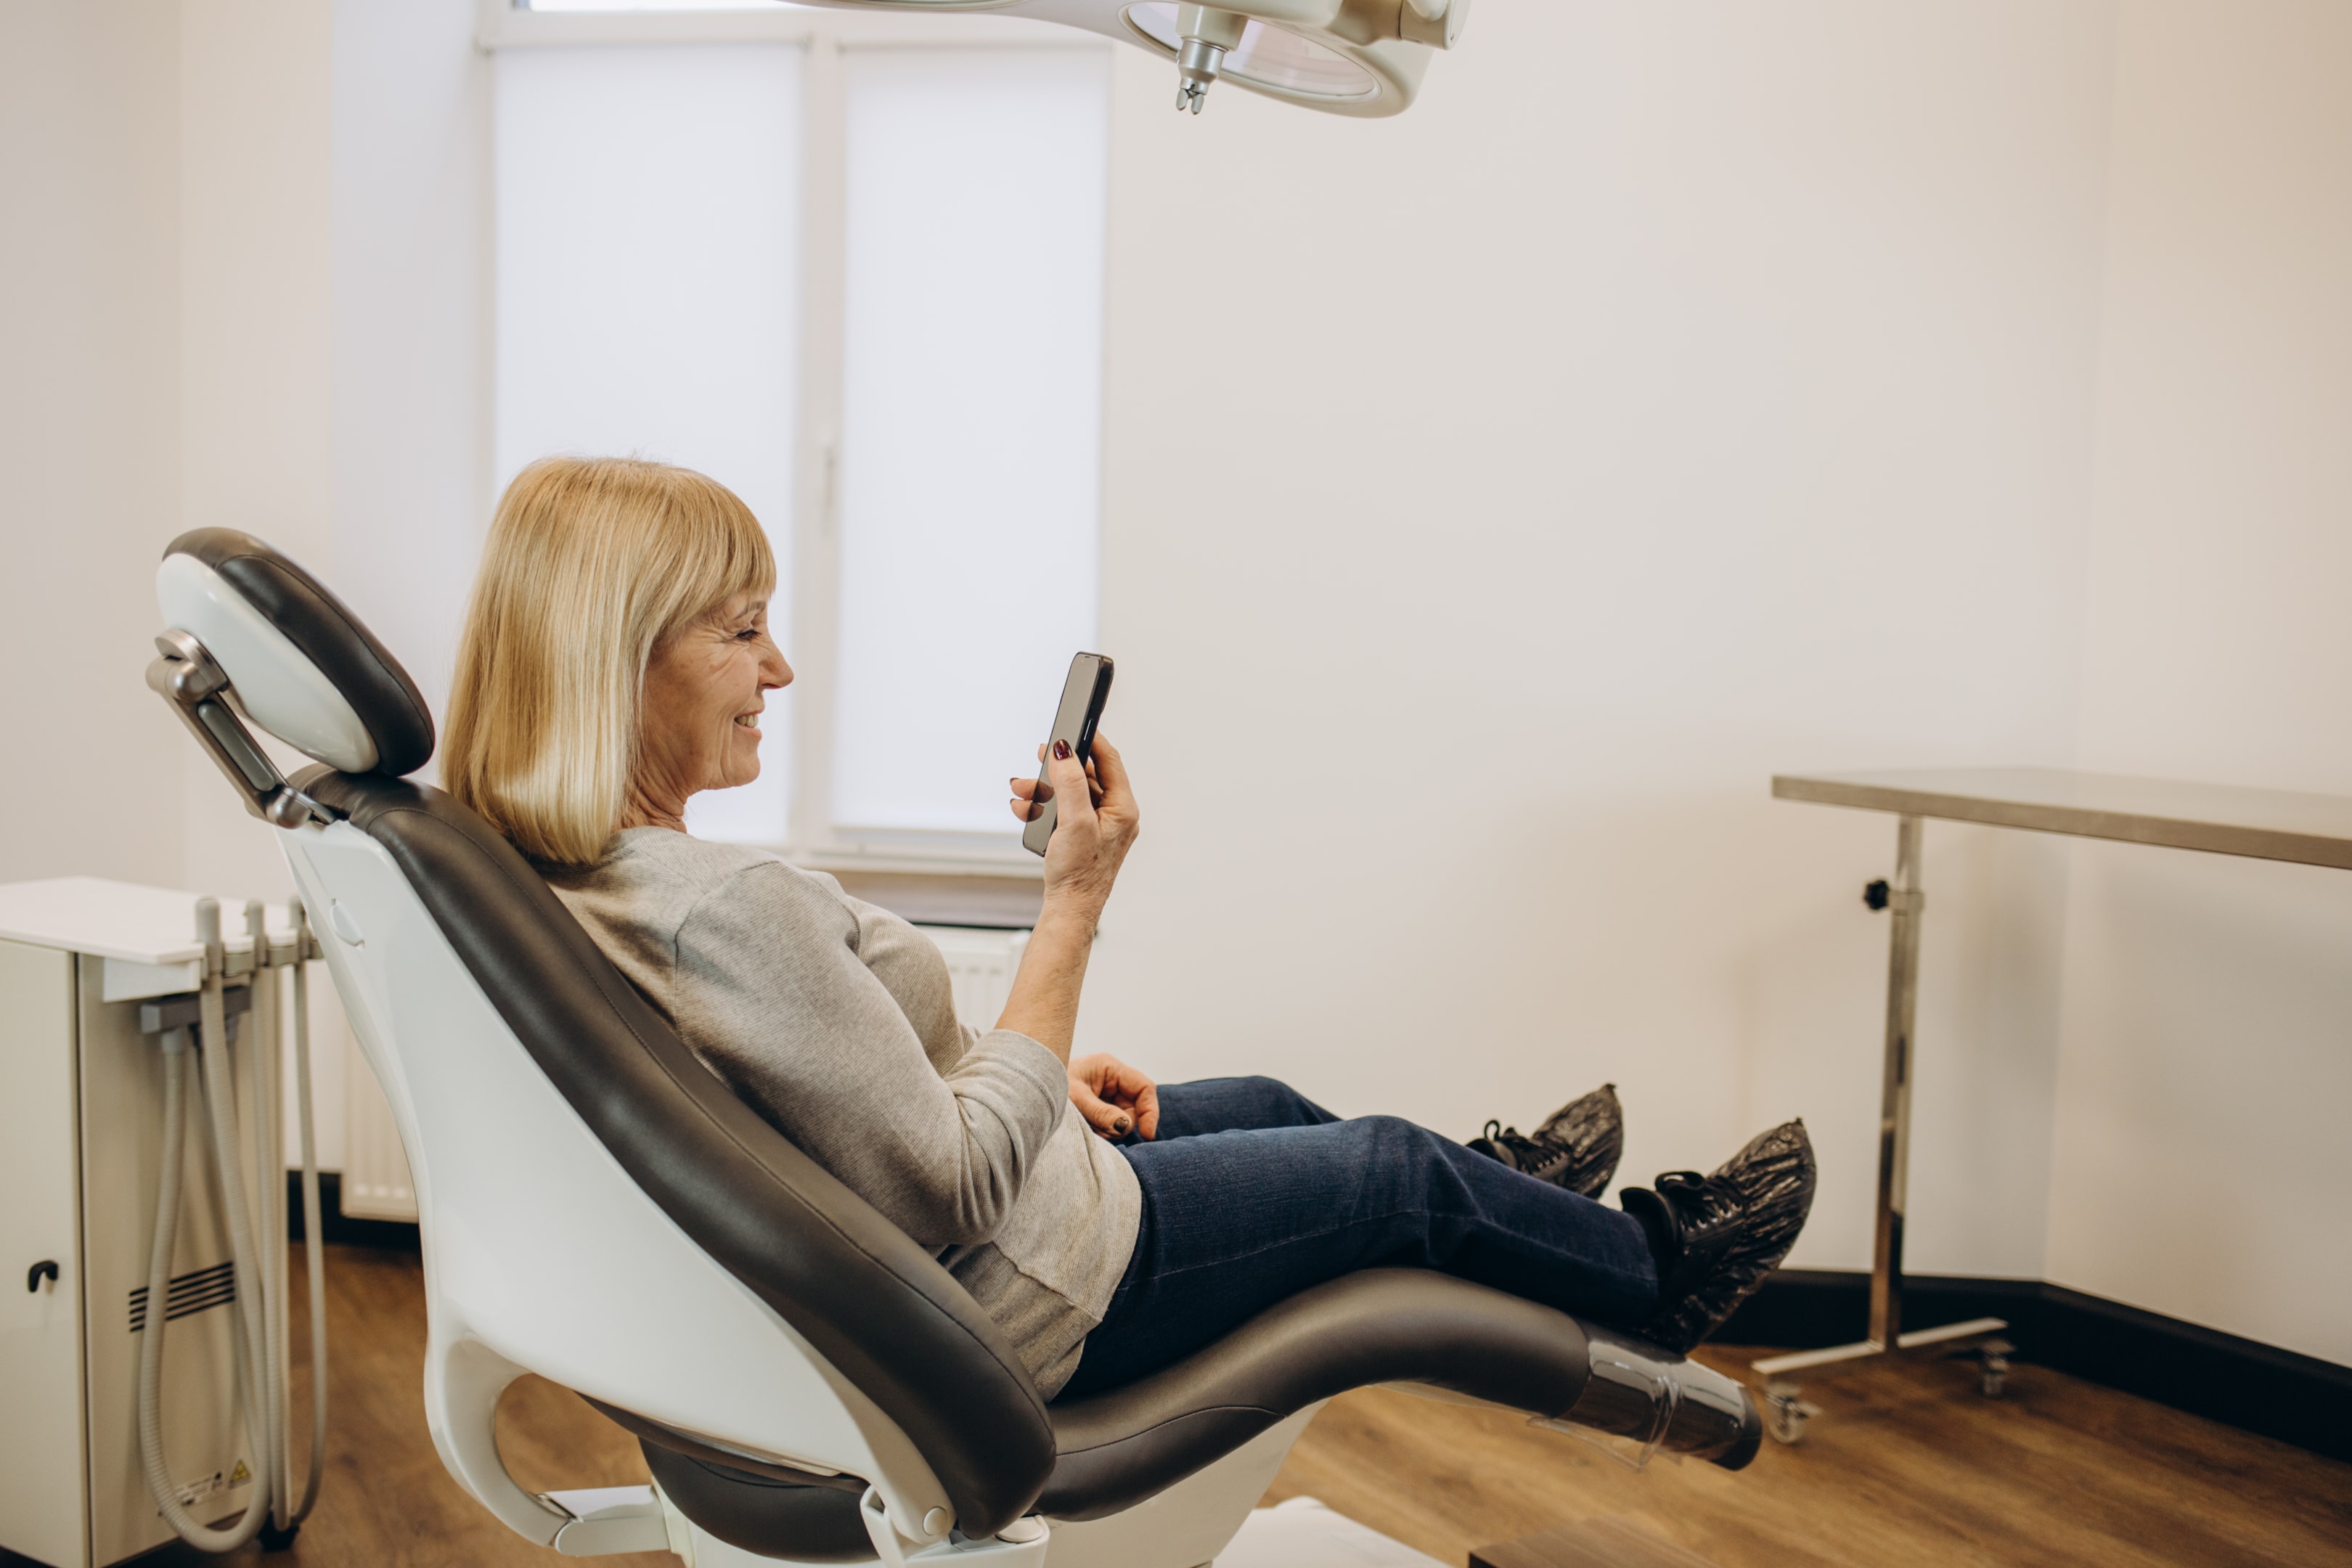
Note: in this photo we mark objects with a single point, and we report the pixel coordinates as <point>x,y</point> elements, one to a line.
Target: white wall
<point>412,292</point>
<point>1674,397</point>
<point>166,175</point>
<point>1494,498</point>
<point>1497,496</point>
<point>89,405</point>
<point>255,178</point>
<point>406,449</point>
<point>166,171</point>
<point>2202,1168</point>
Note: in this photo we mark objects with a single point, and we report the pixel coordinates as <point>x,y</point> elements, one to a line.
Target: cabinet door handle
<point>47,1266</point>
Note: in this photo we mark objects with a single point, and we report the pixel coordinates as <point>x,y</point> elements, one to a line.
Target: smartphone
<point>1083,695</point>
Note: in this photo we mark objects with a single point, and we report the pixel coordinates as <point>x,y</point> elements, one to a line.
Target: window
<point>648,241</point>
<point>852,266</point>
<point>971,417</point>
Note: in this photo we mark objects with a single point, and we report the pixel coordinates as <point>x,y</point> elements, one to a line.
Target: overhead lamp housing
<point>1362,57</point>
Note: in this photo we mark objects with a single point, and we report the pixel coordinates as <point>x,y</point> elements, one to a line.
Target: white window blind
<point>970,423</point>
<point>651,4</point>
<point>648,292</point>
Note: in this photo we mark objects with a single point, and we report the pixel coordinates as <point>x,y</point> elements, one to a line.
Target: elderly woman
<point>617,660</point>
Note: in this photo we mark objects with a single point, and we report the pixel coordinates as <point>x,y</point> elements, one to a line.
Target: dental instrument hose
<point>314,1248</point>
<point>260,1028</point>
<point>213,1023</point>
<point>260,1366</point>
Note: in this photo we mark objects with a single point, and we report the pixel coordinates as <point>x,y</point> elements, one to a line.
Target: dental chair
<point>807,1384</point>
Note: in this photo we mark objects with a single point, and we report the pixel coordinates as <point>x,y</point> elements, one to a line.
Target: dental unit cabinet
<point>99,980</point>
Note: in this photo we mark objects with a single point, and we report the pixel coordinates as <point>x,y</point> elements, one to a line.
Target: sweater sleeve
<point>772,996</point>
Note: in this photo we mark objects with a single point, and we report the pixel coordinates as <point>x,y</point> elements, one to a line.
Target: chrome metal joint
<point>1204,35</point>
<point>1196,69</point>
<point>1651,1400</point>
<point>187,677</point>
<point>185,672</point>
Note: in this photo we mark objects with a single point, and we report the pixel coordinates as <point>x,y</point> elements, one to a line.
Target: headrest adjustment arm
<point>199,691</point>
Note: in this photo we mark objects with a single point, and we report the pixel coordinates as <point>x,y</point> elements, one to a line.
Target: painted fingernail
<point>1062,750</point>
<point>1119,1124</point>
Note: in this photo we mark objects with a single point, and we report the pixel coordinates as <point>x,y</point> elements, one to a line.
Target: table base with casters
<point>2270,824</point>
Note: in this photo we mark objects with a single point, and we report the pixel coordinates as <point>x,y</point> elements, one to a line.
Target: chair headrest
<point>303,665</point>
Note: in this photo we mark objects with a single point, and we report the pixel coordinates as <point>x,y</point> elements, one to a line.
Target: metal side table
<point>2269,824</point>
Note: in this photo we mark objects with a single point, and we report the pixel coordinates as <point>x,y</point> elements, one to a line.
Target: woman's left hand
<point>1113,1097</point>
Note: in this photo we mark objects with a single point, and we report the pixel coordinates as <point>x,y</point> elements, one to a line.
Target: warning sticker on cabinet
<point>212,1486</point>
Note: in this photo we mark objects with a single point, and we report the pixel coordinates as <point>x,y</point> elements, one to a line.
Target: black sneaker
<point>1577,1146</point>
<point>1716,1238</point>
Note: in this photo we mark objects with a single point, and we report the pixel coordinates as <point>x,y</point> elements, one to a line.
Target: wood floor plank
<point>1907,1466</point>
<point>386,1502</point>
<point>1611,1540</point>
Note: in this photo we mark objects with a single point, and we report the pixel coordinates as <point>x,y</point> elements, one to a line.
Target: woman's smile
<point>706,687</point>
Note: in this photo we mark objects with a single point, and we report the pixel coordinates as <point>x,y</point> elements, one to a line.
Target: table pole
<point>1905,901</point>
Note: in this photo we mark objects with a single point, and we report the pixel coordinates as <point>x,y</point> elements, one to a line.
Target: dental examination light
<point>1363,57</point>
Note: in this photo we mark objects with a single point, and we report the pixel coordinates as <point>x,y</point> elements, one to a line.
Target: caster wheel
<point>1786,1414</point>
<point>1992,1368</point>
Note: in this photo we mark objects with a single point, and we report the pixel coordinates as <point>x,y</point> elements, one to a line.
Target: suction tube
<point>257,1306</point>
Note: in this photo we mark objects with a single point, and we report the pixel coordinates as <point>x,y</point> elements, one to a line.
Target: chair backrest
<point>597,1206</point>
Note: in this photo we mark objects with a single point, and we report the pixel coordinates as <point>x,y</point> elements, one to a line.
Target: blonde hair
<point>590,563</point>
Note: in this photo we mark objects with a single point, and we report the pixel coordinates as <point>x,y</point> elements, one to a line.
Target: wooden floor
<point>1907,1466</point>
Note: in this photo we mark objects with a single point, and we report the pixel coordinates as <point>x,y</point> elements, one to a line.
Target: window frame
<point>824,37</point>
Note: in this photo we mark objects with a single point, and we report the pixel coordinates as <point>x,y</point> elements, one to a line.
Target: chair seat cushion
<point>1378,1325</point>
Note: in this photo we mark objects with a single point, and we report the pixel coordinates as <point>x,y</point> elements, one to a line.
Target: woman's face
<point>705,686</point>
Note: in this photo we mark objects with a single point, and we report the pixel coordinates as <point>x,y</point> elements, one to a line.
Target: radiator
<point>980,963</point>
<point>376,1184</point>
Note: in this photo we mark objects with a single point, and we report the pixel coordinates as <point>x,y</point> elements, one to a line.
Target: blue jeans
<point>1252,1193</point>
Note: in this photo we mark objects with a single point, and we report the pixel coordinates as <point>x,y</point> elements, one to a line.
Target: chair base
<point>1303,1533</point>
<point>1300,1533</point>
<point>1190,1524</point>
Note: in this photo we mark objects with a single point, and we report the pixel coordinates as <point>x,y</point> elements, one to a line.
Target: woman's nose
<point>773,670</point>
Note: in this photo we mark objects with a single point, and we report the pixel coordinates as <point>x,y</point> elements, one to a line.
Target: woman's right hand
<point>1095,821</point>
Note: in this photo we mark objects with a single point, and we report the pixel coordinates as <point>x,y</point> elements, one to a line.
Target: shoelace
<point>1535,1159</point>
<point>1709,1196</point>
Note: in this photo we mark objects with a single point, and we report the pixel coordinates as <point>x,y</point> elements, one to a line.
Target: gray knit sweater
<point>836,1022</point>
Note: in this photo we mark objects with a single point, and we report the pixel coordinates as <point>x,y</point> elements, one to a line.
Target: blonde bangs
<point>590,562</point>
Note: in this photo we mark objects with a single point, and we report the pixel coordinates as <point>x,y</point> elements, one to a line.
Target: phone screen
<point>1080,709</point>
